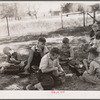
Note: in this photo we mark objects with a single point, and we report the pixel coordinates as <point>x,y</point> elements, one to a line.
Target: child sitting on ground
<point>12,62</point>
<point>67,56</point>
<point>86,62</point>
<point>36,53</point>
<point>50,71</point>
<point>92,75</point>
<point>93,33</point>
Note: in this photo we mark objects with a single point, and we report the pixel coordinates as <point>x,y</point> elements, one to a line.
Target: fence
<point>84,17</point>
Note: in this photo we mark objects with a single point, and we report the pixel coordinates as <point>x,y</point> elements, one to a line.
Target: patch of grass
<point>75,31</point>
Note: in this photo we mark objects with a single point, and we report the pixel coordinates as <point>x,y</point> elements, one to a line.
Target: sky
<point>45,6</point>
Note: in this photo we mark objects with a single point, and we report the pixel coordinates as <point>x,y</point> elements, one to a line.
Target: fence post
<point>7,26</point>
<point>83,19</point>
<point>61,20</point>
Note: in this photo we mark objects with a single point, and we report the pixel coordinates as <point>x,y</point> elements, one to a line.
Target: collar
<point>36,47</point>
<point>11,52</point>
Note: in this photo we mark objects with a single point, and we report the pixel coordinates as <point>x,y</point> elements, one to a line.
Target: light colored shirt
<point>45,50</point>
<point>47,63</point>
<point>93,66</point>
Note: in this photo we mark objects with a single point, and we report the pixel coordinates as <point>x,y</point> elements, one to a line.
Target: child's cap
<point>65,40</point>
<point>6,50</point>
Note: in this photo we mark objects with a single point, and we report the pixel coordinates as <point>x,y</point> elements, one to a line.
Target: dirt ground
<point>14,82</point>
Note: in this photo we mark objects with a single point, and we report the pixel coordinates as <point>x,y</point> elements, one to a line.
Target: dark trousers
<point>48,80</point>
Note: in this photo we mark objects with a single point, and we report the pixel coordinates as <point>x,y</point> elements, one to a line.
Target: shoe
<point>30,87</point>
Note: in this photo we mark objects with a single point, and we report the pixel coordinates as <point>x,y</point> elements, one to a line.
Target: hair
<point>94,52</point>
<point>6,50</point>
<point>65,40</point>
<point>54,50</point>
<point>95,24</point>
<point>42,39</point>
<point>98,35</point>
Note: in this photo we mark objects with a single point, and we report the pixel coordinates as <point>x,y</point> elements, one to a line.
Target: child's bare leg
<point>56,73</point>
<point>85,62</point>
<point>36,86</point>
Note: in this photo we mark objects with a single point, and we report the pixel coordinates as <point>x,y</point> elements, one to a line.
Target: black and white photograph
<point>50,45</point>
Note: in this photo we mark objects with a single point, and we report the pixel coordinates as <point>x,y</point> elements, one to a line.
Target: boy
<point>67,52</point>
<point>36,53</point>
<point>49,71</point>
<point>92,75</point>
<point>67,56</point>
<point>86,62</point>
<point>12,61</point>
<point>93,32</point>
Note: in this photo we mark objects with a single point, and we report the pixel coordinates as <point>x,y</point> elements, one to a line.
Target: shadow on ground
<point>14,82</point>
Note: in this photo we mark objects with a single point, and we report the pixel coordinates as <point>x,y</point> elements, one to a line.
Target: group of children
<point>47,63</point>
<point>92,64</point>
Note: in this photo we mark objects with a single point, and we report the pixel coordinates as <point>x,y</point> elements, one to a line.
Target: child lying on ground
<point>12,63</point>
<point>92,75</point>
<point>50,72</point>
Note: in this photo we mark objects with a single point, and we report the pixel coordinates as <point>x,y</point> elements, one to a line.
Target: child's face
<point>95,27</point>
<point>91,57</point>
<point>41,44</point>
<point>55,56</point>
<point>66,44</point>
<point>10,52</point>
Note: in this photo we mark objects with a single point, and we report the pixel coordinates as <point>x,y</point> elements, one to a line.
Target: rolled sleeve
<point>33,48</point>
<point>43,63</point>
<point>92,68</point>
<point>46,50</point>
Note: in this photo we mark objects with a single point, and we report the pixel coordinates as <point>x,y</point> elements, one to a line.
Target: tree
<point>7,11</point>
<point>17,17</point>
<point>80,8</point>
<point>67,7</point>
<point>33,13</point>
<point>95,7</point>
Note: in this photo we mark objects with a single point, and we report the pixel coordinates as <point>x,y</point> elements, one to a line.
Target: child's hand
<point>12,59</point>
<point>70,58</point>
<point>26,67</point>
<point>55,68</point>
<point>22,63</point>
<point>62,73</point>
<point>2,69</point>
